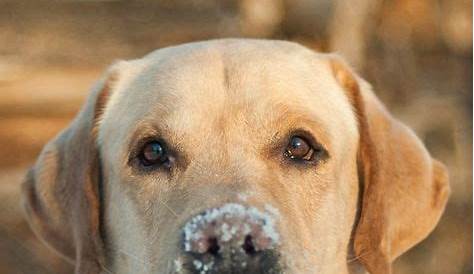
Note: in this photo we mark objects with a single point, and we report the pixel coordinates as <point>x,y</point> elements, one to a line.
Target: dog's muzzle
<point>230,239</point>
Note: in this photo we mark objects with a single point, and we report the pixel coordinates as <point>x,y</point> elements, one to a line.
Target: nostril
<point>248,245</point>
<point>229,232</point>
<point>213,246</point>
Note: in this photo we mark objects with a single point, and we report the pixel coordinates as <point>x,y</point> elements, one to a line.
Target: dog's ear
<point>60,192</point>
<point>404,190</point>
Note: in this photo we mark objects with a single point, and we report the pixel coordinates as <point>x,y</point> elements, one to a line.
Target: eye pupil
<point>298,148</point>
<point>153,153</point>
<point>297,143</point>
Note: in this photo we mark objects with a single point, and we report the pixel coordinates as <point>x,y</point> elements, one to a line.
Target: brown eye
<point>299,149</point>
<point>153,153</point>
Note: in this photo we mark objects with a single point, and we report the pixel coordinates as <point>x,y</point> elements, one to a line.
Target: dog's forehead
<point>190,87</point>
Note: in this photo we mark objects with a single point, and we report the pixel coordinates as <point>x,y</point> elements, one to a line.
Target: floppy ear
<point>404,190</point>
<point>60,192</point>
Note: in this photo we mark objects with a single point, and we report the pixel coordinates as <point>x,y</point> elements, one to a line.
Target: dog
<point>234,156</point>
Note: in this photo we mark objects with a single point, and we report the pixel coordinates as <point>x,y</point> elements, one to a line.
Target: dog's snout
<point>233,228</point>
<point>232,237</point>
<point>230,233</point>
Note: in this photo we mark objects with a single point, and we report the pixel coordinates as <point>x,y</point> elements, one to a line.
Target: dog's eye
<point>153,153</point>
<point>300,149</point>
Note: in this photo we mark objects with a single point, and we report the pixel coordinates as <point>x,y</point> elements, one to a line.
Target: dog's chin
<point>266,262</point>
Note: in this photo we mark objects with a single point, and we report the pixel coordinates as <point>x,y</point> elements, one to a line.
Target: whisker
<point>137,259</point>
<point>133,257</point>
<point>353,259</point>
<point>169,208</point>
<point>106,269</point>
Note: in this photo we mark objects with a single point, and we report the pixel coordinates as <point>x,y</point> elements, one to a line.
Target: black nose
<point>231,239</point>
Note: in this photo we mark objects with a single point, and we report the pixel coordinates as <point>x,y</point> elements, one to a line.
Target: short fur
<point>225,107</point>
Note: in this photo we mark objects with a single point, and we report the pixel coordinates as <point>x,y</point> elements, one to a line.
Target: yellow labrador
<point>234,156</point>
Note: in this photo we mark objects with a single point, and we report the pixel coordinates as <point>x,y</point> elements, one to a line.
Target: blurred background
<point>416,53</point>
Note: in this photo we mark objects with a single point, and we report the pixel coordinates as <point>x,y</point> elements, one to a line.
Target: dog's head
<point>234,156</point>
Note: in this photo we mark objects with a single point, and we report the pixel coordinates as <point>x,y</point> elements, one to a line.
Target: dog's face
<point>230,124</point>
<point>234,156</point>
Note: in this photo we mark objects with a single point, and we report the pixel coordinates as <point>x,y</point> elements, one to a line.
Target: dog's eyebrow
<point>145,129</point>
<point>294,121</point>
